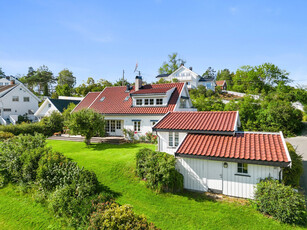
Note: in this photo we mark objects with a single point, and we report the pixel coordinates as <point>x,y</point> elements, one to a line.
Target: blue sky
<point>101,38</point>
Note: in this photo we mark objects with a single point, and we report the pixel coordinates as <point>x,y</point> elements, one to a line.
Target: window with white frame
<point>159,101</point>
<point>137,126</point>
<point>15,98</point>
<point>173,139</point>
<point>6,83</point>
<point>153,122</point>
<point>139,101</point>
<point>26,99</point>
<point>151,101</point>
<point>113,126</point>
<point>107,126</point>
<point>146,101</point>
<point>7,110</point>
<point>118,125</point>
<point>30,112</point>
<point>242,168</point>
<point>183,103</point>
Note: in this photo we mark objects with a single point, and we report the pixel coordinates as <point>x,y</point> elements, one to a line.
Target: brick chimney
<point>12,82</point>
<point>138,83</point>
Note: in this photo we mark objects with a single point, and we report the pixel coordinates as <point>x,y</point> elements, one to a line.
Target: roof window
<point>127,98</point>
<point>101,99</point>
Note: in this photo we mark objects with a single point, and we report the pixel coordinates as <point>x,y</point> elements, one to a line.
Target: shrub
<point>291,176</point>
<point>159,170</point>
<point>5,135</point>
<point>111,215</point>
<point>12,152</point>
<point>151,138</point>
<point>129,134</point>
<point>24,128</point>
<point>53,123</point>
<point>280,201</point>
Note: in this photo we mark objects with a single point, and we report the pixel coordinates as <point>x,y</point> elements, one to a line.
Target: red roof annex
<point>246,146</point>
<point>199,121</point>
<point>220,83</point>
<point>115,101</point>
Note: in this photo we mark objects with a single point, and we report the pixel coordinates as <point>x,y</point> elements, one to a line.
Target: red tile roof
<point>114,100</point>
<point>220,83</point>
<point>246,146</point>
<point>87,101</point>
<point>199,121</point>
<point>152,91</point>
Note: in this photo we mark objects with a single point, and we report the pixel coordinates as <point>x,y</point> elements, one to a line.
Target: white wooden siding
<point>163,142</point>
<point>202,175</point>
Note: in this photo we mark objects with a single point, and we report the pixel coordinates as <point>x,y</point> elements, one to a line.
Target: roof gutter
<point>286,148</point>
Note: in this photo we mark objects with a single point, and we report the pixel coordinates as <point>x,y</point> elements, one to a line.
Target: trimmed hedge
<point>158,169</point>
<point>281,201</point>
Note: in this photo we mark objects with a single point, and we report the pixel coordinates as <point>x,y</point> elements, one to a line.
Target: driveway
<point>300,144</point>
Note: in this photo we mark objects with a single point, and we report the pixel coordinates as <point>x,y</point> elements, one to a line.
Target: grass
<point>18,211</point>
<point>114,166</point>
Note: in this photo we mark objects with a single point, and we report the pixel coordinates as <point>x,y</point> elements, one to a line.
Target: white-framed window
<point>49,105</point>
<point>188,83</point>
<point>137,126</point>
<point>26,99</point>
<point>1,83</point>
<point>173,139</point>
<point>139,101</point>
<point>159,101</point>
<point>183,103</point>
<point>112,126</point>
<point>107,126</point>
<point>30,112</point>
<point>7,110</point>
<point>153,122</point>
<point>118,125</point>
<point>15,98</point>
<point>6,83</point>
<point>146,101</point>
<point>242,168</point>
<point>151,101</point>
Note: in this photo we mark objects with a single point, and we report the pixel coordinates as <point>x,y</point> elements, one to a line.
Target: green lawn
<point>114,166</point>
<point>19,211</point>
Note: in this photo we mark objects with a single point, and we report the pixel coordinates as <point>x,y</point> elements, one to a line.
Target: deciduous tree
<point>173,63</point>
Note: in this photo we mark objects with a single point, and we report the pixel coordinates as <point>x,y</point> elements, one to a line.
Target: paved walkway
<point>114,140</point>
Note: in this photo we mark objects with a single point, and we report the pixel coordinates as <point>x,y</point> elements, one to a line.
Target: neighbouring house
<point>8,80</point>
<point>138,107</point>
<point>188,76</point>
<point>58,105</point>
<point>221,84</point>
<point>16,100</point>
<point>213,155</point>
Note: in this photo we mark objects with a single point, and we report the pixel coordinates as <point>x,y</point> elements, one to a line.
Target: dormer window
<point>159,101</point>
<point>139,101</point>
<point>146,102</point>
<point>151,101</point>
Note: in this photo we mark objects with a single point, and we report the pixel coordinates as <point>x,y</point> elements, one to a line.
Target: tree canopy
<point>66,77</point>
<point>172,64</point>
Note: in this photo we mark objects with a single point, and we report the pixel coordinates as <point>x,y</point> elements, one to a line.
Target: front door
<point>215,176</point>
<point>114,127</point>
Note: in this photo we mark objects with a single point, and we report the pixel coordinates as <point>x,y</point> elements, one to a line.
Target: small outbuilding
<point>213,155</point>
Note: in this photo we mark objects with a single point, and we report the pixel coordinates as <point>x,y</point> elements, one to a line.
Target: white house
<point>139,107</point>
<point>9,80</point>
<point>213,156</point>
<point>58,105</point>
<point>192,79</point>
<point>15,100</point>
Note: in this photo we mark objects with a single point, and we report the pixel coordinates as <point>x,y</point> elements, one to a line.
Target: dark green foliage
<point>24,128</point>
<point>22,119</point>
<point>159,170</point>
<point>173,64</point>
<point>53,123</point>
<point>110,215</point>
<point>281,202</point>
<point>291,176</point>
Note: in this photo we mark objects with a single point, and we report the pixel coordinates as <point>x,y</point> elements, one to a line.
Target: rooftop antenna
<point>123,80</point>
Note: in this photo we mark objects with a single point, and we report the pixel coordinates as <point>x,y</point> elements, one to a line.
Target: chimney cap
<point>191,68</point>
<point>138,77</point>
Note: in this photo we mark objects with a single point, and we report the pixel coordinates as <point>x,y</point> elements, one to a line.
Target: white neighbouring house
<point>137,108</point>
<point>212,155</point>
<point>16,100</point>
<point>192,79</point>
<point>58,105</point>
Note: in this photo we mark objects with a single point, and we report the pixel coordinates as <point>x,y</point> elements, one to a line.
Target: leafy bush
<point>280,201</point>
<point>5,135</point>
<point>291,176</point>
<point>159,170</point>
<point>53,123</point>
<point>129,134</point>
<point>24,128</point>
<point>151,138</point>
<point>111,215</point>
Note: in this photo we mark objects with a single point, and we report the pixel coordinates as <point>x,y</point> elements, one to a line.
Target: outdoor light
<point>225,165</point>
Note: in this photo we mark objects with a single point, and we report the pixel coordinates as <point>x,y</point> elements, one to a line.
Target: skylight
<point>127,98</point>
<point>102,98</point>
